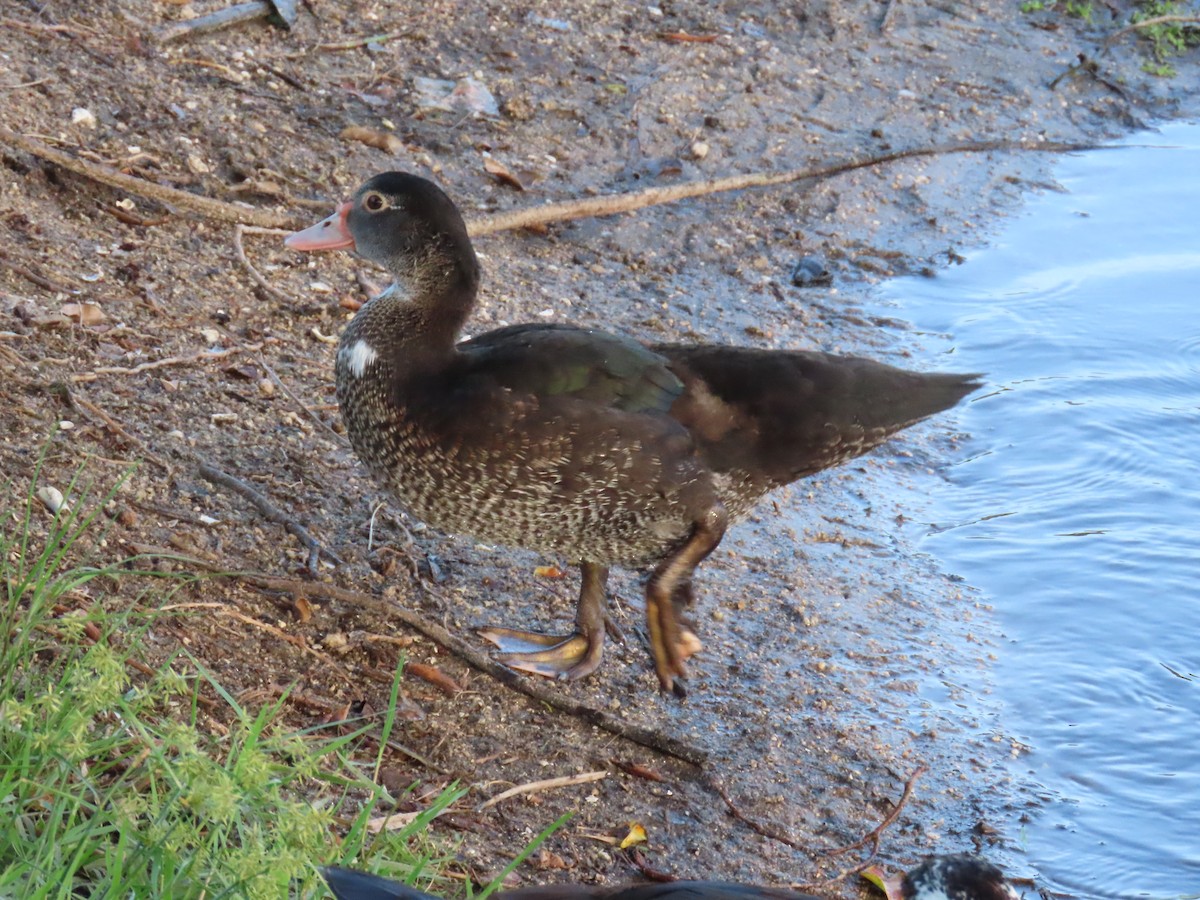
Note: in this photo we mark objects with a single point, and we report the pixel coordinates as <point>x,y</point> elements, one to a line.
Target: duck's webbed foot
<point>669,590</point>
<point>570,656</point>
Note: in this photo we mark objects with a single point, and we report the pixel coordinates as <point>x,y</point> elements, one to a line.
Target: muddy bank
<point>838,659</point>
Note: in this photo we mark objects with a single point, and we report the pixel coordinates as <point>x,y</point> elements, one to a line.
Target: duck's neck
<point>422,314</point>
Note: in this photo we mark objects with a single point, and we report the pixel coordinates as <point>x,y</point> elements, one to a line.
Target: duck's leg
<point>569,656</point>
<point>669,590</point>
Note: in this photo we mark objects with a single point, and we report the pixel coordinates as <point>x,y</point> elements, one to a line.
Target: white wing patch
<point>359,357</point>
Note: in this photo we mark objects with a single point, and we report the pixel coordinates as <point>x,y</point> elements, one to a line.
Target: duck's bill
<point>331,233</point>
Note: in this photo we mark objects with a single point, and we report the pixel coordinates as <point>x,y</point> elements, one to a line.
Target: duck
<point>959,876</point>
<point>578,442</point>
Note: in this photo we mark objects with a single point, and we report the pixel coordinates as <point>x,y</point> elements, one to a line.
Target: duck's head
<point>402,222</point>
<point>956,877</point>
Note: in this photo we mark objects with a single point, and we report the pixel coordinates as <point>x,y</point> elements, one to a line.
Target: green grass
<point>1076,9</point>
<point>111,783</point>
<point>1166,39</point>
<point>1163,40</point>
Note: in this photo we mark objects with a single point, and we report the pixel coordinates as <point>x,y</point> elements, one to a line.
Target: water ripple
<point>1076,509</point>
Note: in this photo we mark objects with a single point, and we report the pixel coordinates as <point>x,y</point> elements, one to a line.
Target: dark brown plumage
<point>954,877</point>
<point>575,441</point>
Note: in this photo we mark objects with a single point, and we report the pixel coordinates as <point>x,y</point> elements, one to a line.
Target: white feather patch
<point>359,357</point>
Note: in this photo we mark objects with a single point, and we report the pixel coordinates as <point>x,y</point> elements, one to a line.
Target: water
<point>1077,513</point>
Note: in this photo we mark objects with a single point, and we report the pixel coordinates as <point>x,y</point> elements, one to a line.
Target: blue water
<point>1077,511</point>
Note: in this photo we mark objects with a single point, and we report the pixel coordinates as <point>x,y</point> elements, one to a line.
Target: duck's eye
<point>374,202</point>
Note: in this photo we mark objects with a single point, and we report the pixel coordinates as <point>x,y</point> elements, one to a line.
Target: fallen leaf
<point>380,140</point>
<point>889,884</point>
<point>549,572</point>
<point>304,609</point>
<point>637,835</point>
<point>248,372</point>
<point>84,313</point>
<point>501,173</point>
<point>638,771</point>
<point>391,822</point>
<point>55,320</point>
<point>547,860</point>
<point>468,94</point>
<point>434,676</point>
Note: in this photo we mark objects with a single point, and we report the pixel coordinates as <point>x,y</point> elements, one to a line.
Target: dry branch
<point>534,787</point>
<point>271,511</point>
<point>619,203</point>
<point>91,409</point>
<point>202,356</point>
<point>655,740</point>
<point>873,836</point>
<point>767,831</point>
<point>1149,23</point>
<point>534,216</point>
<point>204,206</point>
<point>240,229</point>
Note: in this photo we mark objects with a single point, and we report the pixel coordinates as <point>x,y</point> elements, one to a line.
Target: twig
<point>766,831</point>
<point>355,43</point>
<point>89,408</point>
<point>292,639</point>
<point>547,784</point>
<point>873,836</point>
<point>646,737</point>
<point>224,18</point>
<point>272,512</point>
<point>308,411</point>
<point>649,872</point>
<point>1147,23</point>
<point>204,206</point>
<point>129,218</point>
<point>230,74</point>
<point>23,84</point>
<point>331,709</point>
<point>823,887</point>
<point>202,356</point>
<point>29,275</point>
<point>44,26</point>
<point>886,22</point>
<point>618,203</point>
<point>238,230</point>
<point>683,37</point>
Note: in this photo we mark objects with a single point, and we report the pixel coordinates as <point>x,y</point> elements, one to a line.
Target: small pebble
<point>82,116</point>
<point>810,271</point>
<point>699,150</point>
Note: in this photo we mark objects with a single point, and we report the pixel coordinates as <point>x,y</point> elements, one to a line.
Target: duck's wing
<point>561,361</point>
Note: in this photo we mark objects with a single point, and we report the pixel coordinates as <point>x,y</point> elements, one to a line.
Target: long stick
<point>205,206</point>
<point>537,215</point>
<point>618,203</point>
